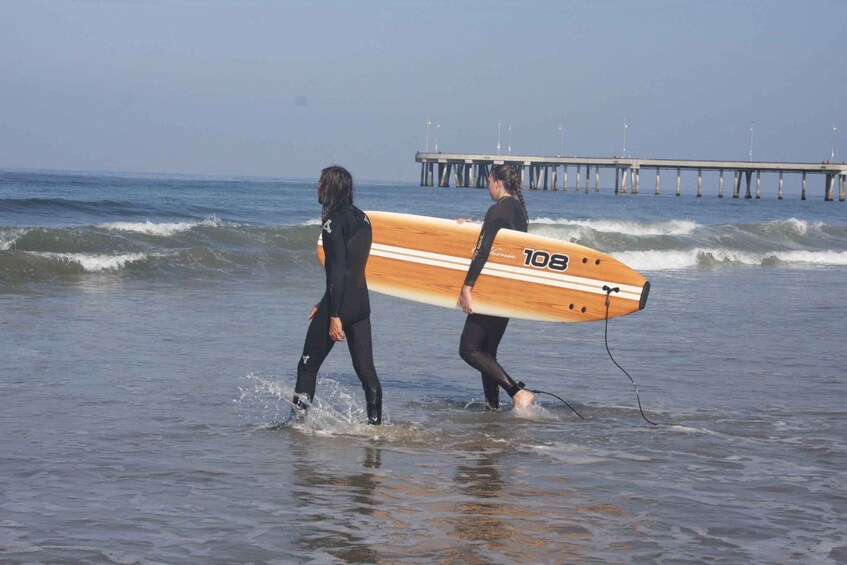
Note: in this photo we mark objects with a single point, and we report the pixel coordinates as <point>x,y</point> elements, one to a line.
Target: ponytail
<point>519,193</point>
<point>512,184</point>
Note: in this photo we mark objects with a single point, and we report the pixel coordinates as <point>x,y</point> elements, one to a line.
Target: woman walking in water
<point>344,311</point>
<point>482,333</point>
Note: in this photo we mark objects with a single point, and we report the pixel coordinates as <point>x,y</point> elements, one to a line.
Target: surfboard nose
<point>645,292</point>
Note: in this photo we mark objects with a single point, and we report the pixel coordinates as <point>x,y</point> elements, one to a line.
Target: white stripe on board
<point>526,274</point>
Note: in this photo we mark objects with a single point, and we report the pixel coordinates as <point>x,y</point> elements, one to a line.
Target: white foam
<point>335,412</point>
<point>686,259</point>
<point>160,229</point>
<point>8,238</point>
<point>97,263</point>
<point>798,226</point>
<point>812,257</point>
<point>626,227</point>
<point>658,260</point>
<point>533,412</point>
<point>690,430</point>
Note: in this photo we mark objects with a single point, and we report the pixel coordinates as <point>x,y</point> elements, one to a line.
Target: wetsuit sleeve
<point>335,250</point>
<point>495,219</point>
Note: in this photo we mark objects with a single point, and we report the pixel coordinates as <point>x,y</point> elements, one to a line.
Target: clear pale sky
<point>284,88</point>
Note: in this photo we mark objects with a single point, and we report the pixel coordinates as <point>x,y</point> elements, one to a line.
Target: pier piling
<point>830,185</point>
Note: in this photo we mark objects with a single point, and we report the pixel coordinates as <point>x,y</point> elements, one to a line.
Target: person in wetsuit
<point>344,311</point>
<point>482,333</point>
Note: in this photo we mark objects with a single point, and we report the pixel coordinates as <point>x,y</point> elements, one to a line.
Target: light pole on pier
<point>428,123</point>
<point>751,141</point>
<point>623,149</point>
<point>498,137</point>
<point>437,126</point>
<point>561,139</point>
<point>832,145</point>
<point>510,139</point>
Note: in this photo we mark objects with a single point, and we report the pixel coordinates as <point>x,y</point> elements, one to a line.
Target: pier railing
<point>541,173</point>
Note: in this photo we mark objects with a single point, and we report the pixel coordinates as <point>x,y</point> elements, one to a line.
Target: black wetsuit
<point>482,333</point>
<point>347,243</point>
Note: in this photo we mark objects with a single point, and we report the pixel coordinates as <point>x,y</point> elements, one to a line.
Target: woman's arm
<point>494,221</point>
<point>335,251</point>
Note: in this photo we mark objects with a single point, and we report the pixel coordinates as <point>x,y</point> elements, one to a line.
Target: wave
<point>8,237</point>
<point>16,266</point>
<point>59,206</point>
<point>623,227</point>
<point>206,247</point>
<point>96,263</point>
<point>161,229</point>
<point>145,236</point>
<point>213,246</point>
<point>622,235</point>
<point>704,258</point>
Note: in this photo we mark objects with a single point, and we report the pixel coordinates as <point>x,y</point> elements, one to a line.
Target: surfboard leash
<point>560,399</point>
<point>609,291</point>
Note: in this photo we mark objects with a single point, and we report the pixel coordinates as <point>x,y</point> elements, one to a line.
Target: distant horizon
<point>187,175</point>
<point>412,181</point>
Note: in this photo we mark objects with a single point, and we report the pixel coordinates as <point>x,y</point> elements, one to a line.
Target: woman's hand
<point>465,300</point>
<point>336,332</point>
<point>313,311</point>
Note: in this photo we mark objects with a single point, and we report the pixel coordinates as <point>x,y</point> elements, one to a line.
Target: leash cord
<point>561,399</point>
<point>609,291</point>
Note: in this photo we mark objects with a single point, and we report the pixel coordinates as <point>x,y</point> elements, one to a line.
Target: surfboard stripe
<point>525,274</point>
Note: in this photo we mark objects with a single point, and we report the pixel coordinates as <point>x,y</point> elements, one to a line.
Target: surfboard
<point>526,276</point>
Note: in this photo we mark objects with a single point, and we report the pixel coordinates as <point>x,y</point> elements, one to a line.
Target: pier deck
<point>471,170</point>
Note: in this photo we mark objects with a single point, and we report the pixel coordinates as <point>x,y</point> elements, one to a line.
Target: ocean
<point>150,327</point>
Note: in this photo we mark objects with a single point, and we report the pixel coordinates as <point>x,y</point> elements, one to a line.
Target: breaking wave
<point>212,246</point>
<point>692,258</point>
<point>147,248</point>
<point>161,229</point>
<point>624,227</point>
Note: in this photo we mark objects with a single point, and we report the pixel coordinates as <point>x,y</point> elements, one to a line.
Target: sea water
<point>150,327</point>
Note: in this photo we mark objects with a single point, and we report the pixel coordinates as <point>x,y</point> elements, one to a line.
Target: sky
<point>275,88</point>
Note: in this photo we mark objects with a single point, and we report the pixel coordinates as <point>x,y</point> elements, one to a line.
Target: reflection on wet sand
<point>335,509</point>
<point>495,515</point>
<point>476,501</point>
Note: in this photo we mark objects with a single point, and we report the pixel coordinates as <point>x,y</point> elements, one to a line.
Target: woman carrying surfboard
<point>482,333</point>
<point>344,311</point>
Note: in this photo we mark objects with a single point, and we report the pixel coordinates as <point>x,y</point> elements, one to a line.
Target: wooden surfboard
<point>526,276</point>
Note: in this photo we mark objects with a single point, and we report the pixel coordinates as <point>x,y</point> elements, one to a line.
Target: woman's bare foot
<point>523,398</point>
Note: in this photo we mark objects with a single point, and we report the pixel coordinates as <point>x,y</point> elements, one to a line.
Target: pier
<point>542,173</point>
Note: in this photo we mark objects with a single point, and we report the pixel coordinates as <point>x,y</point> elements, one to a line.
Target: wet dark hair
<point>511,182</point>
<point>335,187</point>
